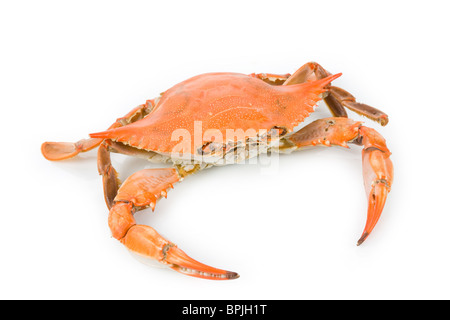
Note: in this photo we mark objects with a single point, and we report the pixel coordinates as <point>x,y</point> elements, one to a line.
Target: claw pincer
<point>377,167</point>
<point>141,190</point>
<point>378,173</point>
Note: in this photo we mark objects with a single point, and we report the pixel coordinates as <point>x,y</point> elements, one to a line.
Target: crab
<point>189,127</point>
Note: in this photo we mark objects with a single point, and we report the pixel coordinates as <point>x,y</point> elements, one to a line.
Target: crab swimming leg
<point>142,190</point>
<point>55,151</point>
<point>337,98</point>
<point>378,170</point>
<point>110,177</point>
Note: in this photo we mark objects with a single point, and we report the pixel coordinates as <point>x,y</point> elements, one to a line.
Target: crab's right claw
<point>141,190</point>
<point>378,176</point>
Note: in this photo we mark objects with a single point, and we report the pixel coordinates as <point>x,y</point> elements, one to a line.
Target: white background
<point>71,68</point>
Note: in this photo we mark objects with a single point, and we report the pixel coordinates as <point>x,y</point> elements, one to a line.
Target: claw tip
<point>363,238</point>
<point>383,120</point>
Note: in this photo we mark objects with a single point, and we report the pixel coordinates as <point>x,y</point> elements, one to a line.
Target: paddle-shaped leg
<point>56,151</point>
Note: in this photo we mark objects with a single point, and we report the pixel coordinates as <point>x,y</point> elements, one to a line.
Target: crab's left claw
<point>378,174</point>
<point>146,242</point>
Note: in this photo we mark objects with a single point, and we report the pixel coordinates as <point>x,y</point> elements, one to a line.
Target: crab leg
<point>142,190</point>
<point>111,182</point>
<point>271,78</point>
<point>378,170</point>
<point>349,101</point>
<point>55,151</point>
<point>337,98</point>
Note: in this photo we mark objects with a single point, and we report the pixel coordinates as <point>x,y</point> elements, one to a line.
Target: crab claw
<point>377,198</point>
<point>145,241</point>
<point>141,190</point>
<point>184,264</point>
<point>378,174</point>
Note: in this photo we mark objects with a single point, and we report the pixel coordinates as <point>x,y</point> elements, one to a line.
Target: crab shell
<point>220,102</point>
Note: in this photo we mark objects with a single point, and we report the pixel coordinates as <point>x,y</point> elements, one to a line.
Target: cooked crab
<point>221,118</point>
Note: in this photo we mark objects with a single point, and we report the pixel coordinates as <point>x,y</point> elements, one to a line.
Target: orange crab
<point>189,126</point>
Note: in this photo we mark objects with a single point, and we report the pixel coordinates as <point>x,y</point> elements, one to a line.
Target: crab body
<point>221,118</point>
<point>222,105</point>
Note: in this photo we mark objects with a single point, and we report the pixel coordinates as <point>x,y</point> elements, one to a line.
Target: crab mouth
<point>181,262</point>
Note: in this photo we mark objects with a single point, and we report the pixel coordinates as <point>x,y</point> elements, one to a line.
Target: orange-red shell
<point>220,101</point>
